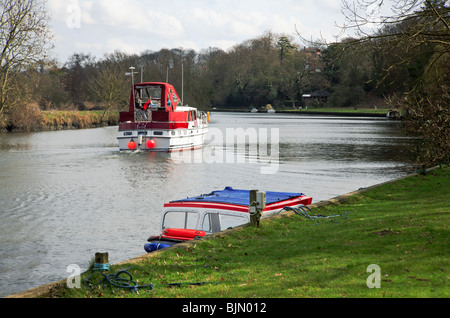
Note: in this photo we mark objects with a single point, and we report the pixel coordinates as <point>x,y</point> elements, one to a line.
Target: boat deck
<point>239,197</point>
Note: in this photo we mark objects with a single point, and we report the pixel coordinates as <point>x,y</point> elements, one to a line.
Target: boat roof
<point>153,84</point>
<point>239,197</point>
<point>185,108</point>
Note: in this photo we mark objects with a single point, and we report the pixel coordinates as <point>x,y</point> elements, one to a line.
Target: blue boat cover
<point>239,197</point>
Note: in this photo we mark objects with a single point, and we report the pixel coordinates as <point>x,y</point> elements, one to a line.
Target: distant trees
<point>350,72</point>
<point>77,71</point>
<point>107,82</point>
<point>411,51</point>
<point>269,69</point>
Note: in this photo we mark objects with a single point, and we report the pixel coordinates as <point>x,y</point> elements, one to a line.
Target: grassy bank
<point>58,120</point>
<point>402,227</point>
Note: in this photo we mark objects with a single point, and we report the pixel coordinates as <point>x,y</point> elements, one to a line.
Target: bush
<point>26,117</point>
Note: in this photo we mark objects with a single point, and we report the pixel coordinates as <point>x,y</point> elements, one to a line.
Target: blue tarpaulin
<point>239,197</point>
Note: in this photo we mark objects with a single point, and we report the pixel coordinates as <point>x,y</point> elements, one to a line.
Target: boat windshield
<point>143,94</point>
<point>216,222</point>
<point>180,220</point>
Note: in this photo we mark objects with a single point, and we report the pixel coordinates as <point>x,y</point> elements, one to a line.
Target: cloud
<point>87,46</point>
<point>102,26</point>
<point>164,25</point>
<point>113,44</point>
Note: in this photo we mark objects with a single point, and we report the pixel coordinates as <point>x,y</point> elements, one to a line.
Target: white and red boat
<point>155,121</point>
<point>185,219</point>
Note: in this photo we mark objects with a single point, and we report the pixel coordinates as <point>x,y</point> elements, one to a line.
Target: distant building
<point>317,97</point>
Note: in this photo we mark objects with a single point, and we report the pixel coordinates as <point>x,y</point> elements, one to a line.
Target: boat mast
<point>132,68</point>
<point>182,84</point>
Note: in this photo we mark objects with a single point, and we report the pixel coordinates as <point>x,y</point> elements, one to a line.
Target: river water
<point>66,195</point>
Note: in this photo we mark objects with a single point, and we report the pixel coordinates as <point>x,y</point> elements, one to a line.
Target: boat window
<point>216,222</point>
<point>180,220</point>
<point>144,94</point>
<point>174,96</point>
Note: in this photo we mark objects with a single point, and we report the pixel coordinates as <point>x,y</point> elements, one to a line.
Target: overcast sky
<point>133,26</point>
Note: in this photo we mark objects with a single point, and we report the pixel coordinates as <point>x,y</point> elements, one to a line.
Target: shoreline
<point>43,290</point>
<point>325,111</point>
<point>305,112</point>
<point>71,120</point>
<point>55,120</point>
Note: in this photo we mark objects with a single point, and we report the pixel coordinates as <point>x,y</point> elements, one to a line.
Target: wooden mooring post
<point>256,205</point>
<point>101,261</point>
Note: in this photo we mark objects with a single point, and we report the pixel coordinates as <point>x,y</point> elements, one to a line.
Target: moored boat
<point>193,217</point>
<point>393,114</point>
<point>155,121</point>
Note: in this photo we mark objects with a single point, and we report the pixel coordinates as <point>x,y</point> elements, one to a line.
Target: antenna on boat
<point>132,68</point>
<point>182,84</point>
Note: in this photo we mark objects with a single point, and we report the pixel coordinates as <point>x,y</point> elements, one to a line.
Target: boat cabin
<point>189,218</point>
<point>153,101</point>
<point>220,210</point>
<point>156,121</point>
<point>210,221</point>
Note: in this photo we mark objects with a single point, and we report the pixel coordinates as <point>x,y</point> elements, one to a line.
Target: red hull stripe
<point>239,208</point>
<point>204,205</point>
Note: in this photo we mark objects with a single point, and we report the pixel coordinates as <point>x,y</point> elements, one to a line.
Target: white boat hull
<point>165,140</point>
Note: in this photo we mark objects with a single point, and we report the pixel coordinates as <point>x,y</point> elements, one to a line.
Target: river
<point>66,195</point>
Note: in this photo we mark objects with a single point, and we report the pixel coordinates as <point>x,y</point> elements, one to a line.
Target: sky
<point>99,27</point>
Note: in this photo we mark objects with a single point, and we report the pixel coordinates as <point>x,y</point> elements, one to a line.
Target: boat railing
<point>204,117</point>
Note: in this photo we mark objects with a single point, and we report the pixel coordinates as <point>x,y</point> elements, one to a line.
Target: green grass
<point>402,227</point>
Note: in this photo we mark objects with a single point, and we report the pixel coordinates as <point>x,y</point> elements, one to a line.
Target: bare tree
<point>411,28</point>
<point>110,85</point>
<point>24,39</point>
<point>415,33</point>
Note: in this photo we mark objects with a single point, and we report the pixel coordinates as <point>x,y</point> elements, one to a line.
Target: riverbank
<point>330,111</point>
<point>62,120</point>
<point>400,226</point>
<point>57,120</point>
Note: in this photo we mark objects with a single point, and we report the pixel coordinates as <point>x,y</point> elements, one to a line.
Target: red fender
<point>183,233</point>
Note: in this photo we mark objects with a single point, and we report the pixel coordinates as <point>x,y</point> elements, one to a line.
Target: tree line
<point>269,69</point>
<point>404,63</point>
